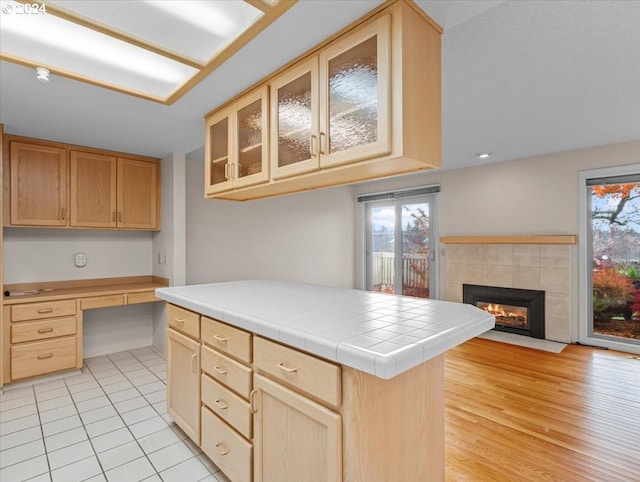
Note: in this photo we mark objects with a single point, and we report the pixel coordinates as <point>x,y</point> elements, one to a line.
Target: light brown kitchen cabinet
<point>307,435</point>
<point>183,383</point>
<point>93,190</point>
<point>365,104</point>
<point>41,338</point>
<point>236,144</point>
<point>38,184</point>
<point>51,184</point>
<point>137,194</point>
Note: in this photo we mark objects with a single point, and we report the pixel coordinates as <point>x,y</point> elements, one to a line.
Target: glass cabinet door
<point>294,121</point>
<point>218,153</point>
<point>355,95</point>
<point>250,165</point>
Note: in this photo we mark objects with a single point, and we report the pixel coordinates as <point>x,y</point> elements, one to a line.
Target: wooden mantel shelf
<point>532,239</point>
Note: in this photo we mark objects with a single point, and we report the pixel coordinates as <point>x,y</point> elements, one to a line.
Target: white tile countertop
<point>380,334</point>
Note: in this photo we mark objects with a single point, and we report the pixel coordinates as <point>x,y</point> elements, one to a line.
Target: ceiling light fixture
<point>483,155</point>
<point>42,74</point>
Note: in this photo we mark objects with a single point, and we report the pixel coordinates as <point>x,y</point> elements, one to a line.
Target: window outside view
<point>615,223</point>
<point>414,247</point>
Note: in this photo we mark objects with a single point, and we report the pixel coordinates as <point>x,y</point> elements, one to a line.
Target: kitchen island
<point>325,383</point>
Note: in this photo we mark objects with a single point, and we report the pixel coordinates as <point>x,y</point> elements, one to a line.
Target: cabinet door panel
<point>252,154</point>
<point>183,383</point>
<point>93,190</point>
<point>355,93</point>
<point>137,194</point>
<point>294,438</point>
<point>218,151</point>
<point>294,121</point>
<point>38,190</point>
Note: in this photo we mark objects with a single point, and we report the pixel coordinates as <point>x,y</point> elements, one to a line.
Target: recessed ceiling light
<point>483,155</point>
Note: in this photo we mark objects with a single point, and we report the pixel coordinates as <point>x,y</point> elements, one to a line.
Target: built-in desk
<point>42,333</point>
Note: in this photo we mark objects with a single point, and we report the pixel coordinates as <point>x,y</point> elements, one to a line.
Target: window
<point>401,242</point>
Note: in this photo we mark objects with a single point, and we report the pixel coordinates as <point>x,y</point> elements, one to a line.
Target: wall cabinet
<point>362,105</point>
<point>58,185</point>
<point>38,185</point>
<point>236,146</point>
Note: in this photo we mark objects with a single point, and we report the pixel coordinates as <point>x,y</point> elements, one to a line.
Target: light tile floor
<point>107,423</point>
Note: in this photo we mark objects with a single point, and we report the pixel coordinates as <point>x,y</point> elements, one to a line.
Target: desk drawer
<point>227,449</point>
<point>227,371</point>
<point>183,320</point>
<point>227,405</point>
<point>227,339</point>
<point>46,309</point>
<point>41,330</point>
<point>304,372</point>
<point>42,357</point>
<point>102,301</point>
<point>142,297</point>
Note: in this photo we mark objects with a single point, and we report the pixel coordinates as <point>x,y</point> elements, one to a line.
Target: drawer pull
<point>222,404</point>
<point>179,319</point>
<point>45,356</point>
<point>45,330</point>
<point>194,364</point>
<point>220,369</point>
<point>45,310</point>
<point>221,339</point>
<point>222,448</point>
<point>287,369</point>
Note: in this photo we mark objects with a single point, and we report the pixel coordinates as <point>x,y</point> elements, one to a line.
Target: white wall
<point>306,237</point>
<point>169,243</point>
<point>32,254</point>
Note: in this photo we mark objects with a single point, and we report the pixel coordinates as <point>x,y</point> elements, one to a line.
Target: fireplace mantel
<point>529,239</point>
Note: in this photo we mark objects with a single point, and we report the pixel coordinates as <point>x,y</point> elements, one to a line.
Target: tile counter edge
<point>246,305</point>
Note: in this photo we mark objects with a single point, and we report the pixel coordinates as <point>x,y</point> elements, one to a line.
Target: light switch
<point>80,260</point>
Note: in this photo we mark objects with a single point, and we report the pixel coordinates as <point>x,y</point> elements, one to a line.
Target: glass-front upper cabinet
<point>355,95</point>
<point>334,107</point>
<point>236,149</point>
<point>294,121</point>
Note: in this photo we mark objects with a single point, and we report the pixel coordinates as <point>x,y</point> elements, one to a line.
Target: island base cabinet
<point>183,383</point>
<point>295,438</point>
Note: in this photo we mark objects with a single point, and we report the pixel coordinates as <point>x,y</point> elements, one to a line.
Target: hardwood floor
<point>517,414</point>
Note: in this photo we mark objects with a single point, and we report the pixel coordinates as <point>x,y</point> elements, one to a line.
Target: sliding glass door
<point>400,244</point>
<point>613,260</point>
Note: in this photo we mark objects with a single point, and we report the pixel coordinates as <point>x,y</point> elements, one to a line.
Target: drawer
<point>41,330</point>
<point>102,301</point>
<point>227,339</point>
<point>42,357</point>
<point>46,309</point>
<point>230,373</point>
<point>228,450</point>
<point>183,320</point>
<point>301,371</point>
<point>227,405</point>
<point>143,297</point>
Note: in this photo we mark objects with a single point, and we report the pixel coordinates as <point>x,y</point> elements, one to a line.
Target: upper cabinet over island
<point>364,104</point>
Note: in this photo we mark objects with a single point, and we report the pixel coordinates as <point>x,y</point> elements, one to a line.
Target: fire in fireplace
<point>516,311</point>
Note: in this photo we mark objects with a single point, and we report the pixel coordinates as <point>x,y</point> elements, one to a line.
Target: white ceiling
<point>520,78</point>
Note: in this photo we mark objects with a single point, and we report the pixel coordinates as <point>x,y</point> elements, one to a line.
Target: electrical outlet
<point>80,260</point>
<point>165,259</point>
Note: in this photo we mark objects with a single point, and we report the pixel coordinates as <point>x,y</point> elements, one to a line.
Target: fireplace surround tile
<point>555,280</point>
<point>526,277</point>
<point>500,275</point>
<point>526,255</point>
<point>499,254</point>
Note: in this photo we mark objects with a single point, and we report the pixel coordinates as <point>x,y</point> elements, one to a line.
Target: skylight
<point>155,49</point>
